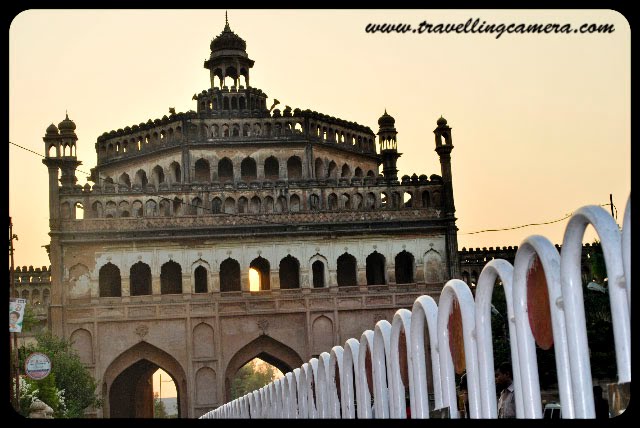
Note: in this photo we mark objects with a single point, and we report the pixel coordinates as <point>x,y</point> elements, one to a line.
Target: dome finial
<point>66,113</point>
<point>226,22</point>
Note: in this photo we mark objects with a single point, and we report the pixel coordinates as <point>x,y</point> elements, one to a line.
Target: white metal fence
<point>369,377</point>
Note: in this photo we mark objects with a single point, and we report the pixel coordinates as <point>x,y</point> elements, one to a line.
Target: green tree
<point>159,411</point>
<point>249,378</point>
<point>71,377</point>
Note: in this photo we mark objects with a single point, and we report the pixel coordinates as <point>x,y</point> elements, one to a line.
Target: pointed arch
<point>262,266</point>
<point>289,273</point>
<point>267,349</point>
<point>346,272</point>
<point>109,281</point>
<point>229,275</point>
<point>404,267</point>
<point>376,269</point>
<point>138,363</point>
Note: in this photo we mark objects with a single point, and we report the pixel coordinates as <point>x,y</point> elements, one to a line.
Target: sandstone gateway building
<point>156,273</point>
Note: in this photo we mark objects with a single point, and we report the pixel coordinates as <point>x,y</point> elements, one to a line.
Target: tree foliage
<point>159,410</point>
<point>250,377</point>
<point>71,377</point>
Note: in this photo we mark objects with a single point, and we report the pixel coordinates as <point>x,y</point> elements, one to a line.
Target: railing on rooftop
<point>373,376</point>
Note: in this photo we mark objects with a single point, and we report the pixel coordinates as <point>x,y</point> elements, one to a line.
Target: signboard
<point>37,366</point>
<point>16,312</point>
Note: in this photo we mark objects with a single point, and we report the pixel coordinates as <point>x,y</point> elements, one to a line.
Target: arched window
<point>124,180</point>
<point>200,279</point>
<point>358,172</point>
<point>314,202</point>
<point>230,206</point>
<point>345,201</point>
<point>229,275</point>
<point>225,170</point>
<point>165,207</point>
<point>140,279</point>
<point>267,204</point>
<point>318,274</point>
<point>96,209</point>
<point>404,268</point>
<point>137,209</point>
<point>248,169</point>
<point>243,205</point>
<point>151,208</point>
<point>197,206</point>
<point>271,168</point>
<point>216,205</point>
<point>171,278</point>
<point>332,202</point>
<point>375,269</point>
<point>408,199</point>
<point>236,127</point>
<point>176,172</point>
<point>346,273</point>
<point>261,265</point>
<point>371,201</point>
<point>141,178</point>
<point>346,171</point>
<point>157,175</point>
<point>254,205</point>
<point>109,279</point>
<point>333,170</point>
<point>320,169</point>
<point>202,171</point>
<point>289,273</point>
<point>294,203</point>
<point>178,206</point>
<point>294,168</point>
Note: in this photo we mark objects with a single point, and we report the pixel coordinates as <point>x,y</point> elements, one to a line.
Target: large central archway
<point>267,349</point>
<point>127,388</point>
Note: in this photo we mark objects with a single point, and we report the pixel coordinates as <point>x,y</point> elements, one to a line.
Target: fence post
<point>503,270</point>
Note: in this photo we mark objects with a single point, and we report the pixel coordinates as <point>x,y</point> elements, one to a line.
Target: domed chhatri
<point>228,40</point>
<point>386,120</point>
<point>67,125</point>
<point>52,129</point>
<point>442,121</point>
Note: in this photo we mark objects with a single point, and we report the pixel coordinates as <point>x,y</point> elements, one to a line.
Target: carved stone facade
<point>156,273</point>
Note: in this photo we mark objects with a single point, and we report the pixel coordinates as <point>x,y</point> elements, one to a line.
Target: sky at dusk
<point>541,123</point>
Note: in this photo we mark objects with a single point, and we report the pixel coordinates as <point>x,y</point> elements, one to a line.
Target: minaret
<point>60,153</point>
<point>443,148</point>
<point>228,58</point>
<point>387,137</point>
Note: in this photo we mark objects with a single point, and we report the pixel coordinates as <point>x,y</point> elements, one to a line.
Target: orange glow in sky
<point>540,122</point>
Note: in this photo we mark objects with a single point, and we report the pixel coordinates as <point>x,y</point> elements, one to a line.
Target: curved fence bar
<point>322,393</point>
<point>502,270</point>
<point>348,376</point>
<point>425,310</point>
<point>609,235</point>
<point>300,396</point>
<point>550,260</point>
<point>381,369</point>
<point>334,381</point>
<point>626,247</point>
<point>409,361</point>
<point>364,376</point>
<point>458,290</point>
<point>401,364</point>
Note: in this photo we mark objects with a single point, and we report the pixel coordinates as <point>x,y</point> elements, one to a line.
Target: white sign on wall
<point>37,366</point>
